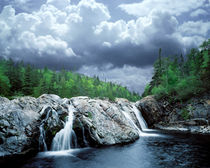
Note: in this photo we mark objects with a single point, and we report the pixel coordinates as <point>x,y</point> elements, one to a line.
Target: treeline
<point>18,79</point>
<point>178,78</point>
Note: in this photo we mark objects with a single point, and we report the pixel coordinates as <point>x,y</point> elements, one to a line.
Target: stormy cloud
<point>89,33</point>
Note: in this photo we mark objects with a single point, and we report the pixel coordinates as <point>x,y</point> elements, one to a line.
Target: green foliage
<point>4,80</point>
<point>90,115</point>
<point>159,91</point>
<point>146,90</point>
<point>181,78</point>
<point>17,79</point>
<point>185,114</point>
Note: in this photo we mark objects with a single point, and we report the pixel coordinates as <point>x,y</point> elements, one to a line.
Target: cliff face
<point>29,124</point>
<point>191,116</point>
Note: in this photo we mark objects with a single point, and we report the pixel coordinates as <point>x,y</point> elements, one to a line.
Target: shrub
<point>185,114</point>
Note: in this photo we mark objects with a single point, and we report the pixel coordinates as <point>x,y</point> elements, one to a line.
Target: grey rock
<point>12,132</point>
<point>2,137</point>
<point>20,120</point>
<point>166,116</point>
<point>96,122</point>
<point>200,121</point>
<point>151,110</point>
<point>103,121</point>
<point>4,123</point>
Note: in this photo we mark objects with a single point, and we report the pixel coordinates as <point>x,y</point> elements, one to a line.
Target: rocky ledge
<point>192,116</point>
<point>29,124</point>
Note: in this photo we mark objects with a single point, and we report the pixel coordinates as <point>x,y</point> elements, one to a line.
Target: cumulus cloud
<point>136,42</point>
<point>198,12</point>
<point>49,32</point>
<point>195,28</point>
<point>83,35</point>
<point>24,5</point>
<point>193,33</point>
<point>20,34</point>
<point>177,8</point>
<point>59,4</point>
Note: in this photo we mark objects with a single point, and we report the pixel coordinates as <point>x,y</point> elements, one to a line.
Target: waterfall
<point>131,121</point>
<point>66,137</point>
<point>140,119</point>
<point>143,131</point>
<point>84,138</point>
<point>85,142</point>
<point>42,143</point>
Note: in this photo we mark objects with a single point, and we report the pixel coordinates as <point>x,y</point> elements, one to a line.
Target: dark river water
<point>150,151</point>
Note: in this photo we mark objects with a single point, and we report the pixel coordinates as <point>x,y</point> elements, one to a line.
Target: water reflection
<point>159,152</point>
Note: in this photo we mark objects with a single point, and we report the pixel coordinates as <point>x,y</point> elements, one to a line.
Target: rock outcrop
<point>104,123</point>
<point>29,124</point>
<point>20,121</point>
<point>192,116</point>
<point>151,110</point>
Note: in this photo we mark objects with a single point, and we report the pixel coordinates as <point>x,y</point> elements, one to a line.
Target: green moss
<point>54,132</point>
<point>45,127</point>
<point>185,114</point>
<point>90,115</point>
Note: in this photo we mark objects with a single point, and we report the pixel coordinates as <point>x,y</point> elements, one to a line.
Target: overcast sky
<point>117,40</point>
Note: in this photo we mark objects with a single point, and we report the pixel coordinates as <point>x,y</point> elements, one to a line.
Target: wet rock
<point>12,132</point>
<point>192,116</point>
<point>196,122</point>
<point>184,129</point>
<point>25,121</point>
<point>151,110</point>
<point>20,120</point>
<point>4,123</point>
<point>197,111</point>
<point>104,122</point>
<point>2,138</point>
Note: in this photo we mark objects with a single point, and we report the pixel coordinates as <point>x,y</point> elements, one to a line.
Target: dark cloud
<point>70,36</point>
<point>133,78</point>
<point>86,33</point>
<point>129,54</point>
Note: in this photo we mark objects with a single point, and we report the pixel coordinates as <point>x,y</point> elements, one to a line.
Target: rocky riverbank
<point>28,124</point>
<point>192,116</point>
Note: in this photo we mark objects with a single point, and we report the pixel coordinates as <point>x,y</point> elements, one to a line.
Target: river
<point>153,150</point>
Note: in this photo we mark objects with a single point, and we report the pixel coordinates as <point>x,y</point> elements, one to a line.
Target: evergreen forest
<point>179,78</point>
<point>19,79</point>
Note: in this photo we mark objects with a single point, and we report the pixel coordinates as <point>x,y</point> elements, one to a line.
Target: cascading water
<point>128,117</point>
<point>66,137</point>
<point>84,138</point>
<point>42,143</point>
<point>85,142</point>
<point>140,119</point>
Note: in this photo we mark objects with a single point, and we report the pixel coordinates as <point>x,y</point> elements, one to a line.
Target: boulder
<point>150,109</point>
<point>16,122</point>
<point>30,124</point>
<point>20,121</point>
<point>104,122</point>
<point>191,116</point>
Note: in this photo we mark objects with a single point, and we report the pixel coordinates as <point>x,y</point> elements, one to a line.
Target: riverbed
<point>152,150</point>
